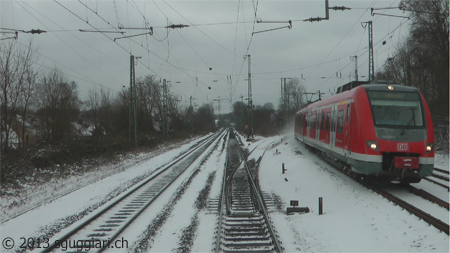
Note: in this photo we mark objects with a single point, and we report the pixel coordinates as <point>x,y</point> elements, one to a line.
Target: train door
<point>347,127</point>
<point>312,125</point>
<point>333,127</point>
<point>339,130</point>
<point>305,124</point>
<point>319,122</point>
<point>326,133</point>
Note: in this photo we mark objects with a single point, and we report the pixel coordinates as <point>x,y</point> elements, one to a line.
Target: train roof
<point>347,94</point>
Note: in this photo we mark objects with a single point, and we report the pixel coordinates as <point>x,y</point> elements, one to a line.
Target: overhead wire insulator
<point>35,31</point>
<point>339,8</point>
<point>315,19</point>
<point>177,26</point>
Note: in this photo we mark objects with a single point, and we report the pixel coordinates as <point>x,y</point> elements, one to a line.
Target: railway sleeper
<point>238,219</point>
<point>244,222</point>
<point>96,235</point>
<point>245,210</point>
<point>246,230</point>
<point>249,233</point>
<point>248,244</point>
<point>249,250</point>
<point>256,237</point>
<point>103,230</point>
<point>118,218</point>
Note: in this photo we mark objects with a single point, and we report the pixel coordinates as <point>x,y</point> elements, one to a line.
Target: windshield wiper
<point>412,119</point>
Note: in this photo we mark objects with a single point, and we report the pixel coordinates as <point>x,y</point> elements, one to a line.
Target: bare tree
<point>58,105</point>
<point>93,104</point>
<point>16,81</point>
<point>149,99</point>
<point>294,93</point>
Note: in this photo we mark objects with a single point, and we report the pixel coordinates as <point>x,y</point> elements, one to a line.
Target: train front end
<point>404,133</point>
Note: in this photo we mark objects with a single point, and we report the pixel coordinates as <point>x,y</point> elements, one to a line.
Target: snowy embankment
<point>354,219</point>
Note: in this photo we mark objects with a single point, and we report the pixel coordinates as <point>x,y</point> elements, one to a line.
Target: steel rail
<point>428,196</point>
<point>442,171</point>
<point>437,183</point>
<point>262,207</point>
<point>442,226</point>
<point>226,192</point>
<point>159,171</point>
<point>440,177</point>
<point>222,203</point>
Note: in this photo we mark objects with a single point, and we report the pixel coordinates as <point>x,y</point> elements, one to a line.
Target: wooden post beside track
<point>320,206</point>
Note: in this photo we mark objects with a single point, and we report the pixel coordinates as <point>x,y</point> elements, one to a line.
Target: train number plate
<point>402,147</point>
<point>406,162</point>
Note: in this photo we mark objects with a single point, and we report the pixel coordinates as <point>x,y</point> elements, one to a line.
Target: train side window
<point>327,122</point>
<point>340,121</point>
<point>322,121</point>
<point>333,122</point>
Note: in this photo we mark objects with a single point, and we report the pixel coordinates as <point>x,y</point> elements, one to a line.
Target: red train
<point>376,129</point>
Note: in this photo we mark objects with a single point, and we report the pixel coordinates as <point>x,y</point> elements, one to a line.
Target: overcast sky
<point>211,49</point>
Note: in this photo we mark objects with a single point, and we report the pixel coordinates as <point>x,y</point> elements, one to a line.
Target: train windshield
<point>396,109</point>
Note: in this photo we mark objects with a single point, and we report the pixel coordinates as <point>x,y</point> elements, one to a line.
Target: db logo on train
<point>402,146</point>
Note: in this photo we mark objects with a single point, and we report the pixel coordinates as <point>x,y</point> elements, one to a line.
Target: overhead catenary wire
<point>64,42</point>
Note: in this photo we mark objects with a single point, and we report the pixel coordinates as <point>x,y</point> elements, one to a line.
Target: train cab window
<point>397,109</point>
<point>327,122</point>
<point>340,121</point>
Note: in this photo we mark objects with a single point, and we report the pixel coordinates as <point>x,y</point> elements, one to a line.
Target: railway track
<point>437,223</point>
<point>244,223</point>
<point>439,177</point>
<point>98,232</point>
<point>375,187</point>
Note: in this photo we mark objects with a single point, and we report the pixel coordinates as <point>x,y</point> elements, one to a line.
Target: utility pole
<point>320,94</point>
<point>218,99</point>
<point>165,109</point>
<point>191,116</point>
<point>132,106</point>
<point>356,66</point>
<point>327,12</point>
<point>242,113</point>
<point>250,102</point>
<point>285,102</point>
<point>371,65</point>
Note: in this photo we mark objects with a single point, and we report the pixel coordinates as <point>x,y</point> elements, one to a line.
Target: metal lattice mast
<point>250,100</point>
<point>242,113</point>
<point>371,65</point>
<point>285,104</point>
<point>191,115</point>
<point>356,66</point>
<point>132,106</point>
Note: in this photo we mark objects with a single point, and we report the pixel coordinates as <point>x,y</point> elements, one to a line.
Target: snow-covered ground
<point>355,219</point>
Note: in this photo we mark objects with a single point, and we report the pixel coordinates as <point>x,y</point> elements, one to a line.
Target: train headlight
<point>430,147</point>
<point>372,145</point>
<point>390,87</point>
